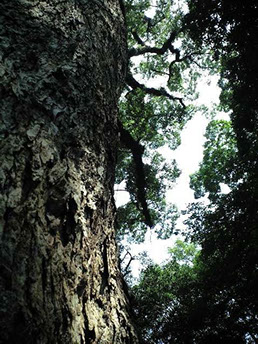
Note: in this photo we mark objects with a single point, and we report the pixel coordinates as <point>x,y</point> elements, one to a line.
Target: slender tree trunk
<point>62,68</point>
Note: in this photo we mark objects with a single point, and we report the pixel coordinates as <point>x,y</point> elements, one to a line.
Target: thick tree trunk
<point>62,68</point>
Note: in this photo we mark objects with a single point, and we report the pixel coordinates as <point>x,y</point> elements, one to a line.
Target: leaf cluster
<point>220,163</point>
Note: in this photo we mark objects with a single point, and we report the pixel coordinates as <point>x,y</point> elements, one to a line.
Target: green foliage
<point>228,237</point>
<point>220,161</point>
<point>183,253</point>
<point>164,293</point>
<point>154,29</point>
<point>153,121</point>
<point>230,28</point>
<point>135,13</point>
<point>155,118</point>
<point>211,296</point>
<point>227,228</point>
<point>206,296</point>
<point>129,217</point>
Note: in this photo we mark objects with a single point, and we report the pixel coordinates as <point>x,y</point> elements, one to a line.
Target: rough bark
<point>62,68</point>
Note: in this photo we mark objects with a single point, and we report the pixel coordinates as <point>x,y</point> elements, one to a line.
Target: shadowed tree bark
<point>62,69</point>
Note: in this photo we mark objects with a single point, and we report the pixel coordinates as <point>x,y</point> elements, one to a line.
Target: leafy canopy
<point>211,297</point>
<point>161,54</point>
<point>220,161</point>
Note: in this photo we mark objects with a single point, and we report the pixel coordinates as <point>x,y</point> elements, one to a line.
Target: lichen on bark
<point>62,68</point>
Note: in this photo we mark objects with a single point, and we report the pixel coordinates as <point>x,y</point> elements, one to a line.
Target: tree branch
<point>153,91</point>
<point>137,38</point>
<point>137,151</point>
<point>180,59</point>
<point>126,270</point>
<point>155,50</point>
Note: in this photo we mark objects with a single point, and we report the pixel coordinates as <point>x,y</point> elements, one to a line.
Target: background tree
<point>227,230</point>
<point>165,297</point>
<point>223,306</point>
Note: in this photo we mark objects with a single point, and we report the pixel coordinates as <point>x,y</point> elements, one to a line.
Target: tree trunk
<point>62,68</point>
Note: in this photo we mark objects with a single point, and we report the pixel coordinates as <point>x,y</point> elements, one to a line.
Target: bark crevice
<point>62,70</point>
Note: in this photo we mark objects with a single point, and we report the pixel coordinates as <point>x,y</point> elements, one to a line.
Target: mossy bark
<point>62,69</point>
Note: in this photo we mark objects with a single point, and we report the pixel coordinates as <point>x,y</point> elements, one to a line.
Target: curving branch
<point>137,38</point>
<point>155,50</point>
<point>137,151</point>
<point>130,80</point>
<point>181,59</point>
